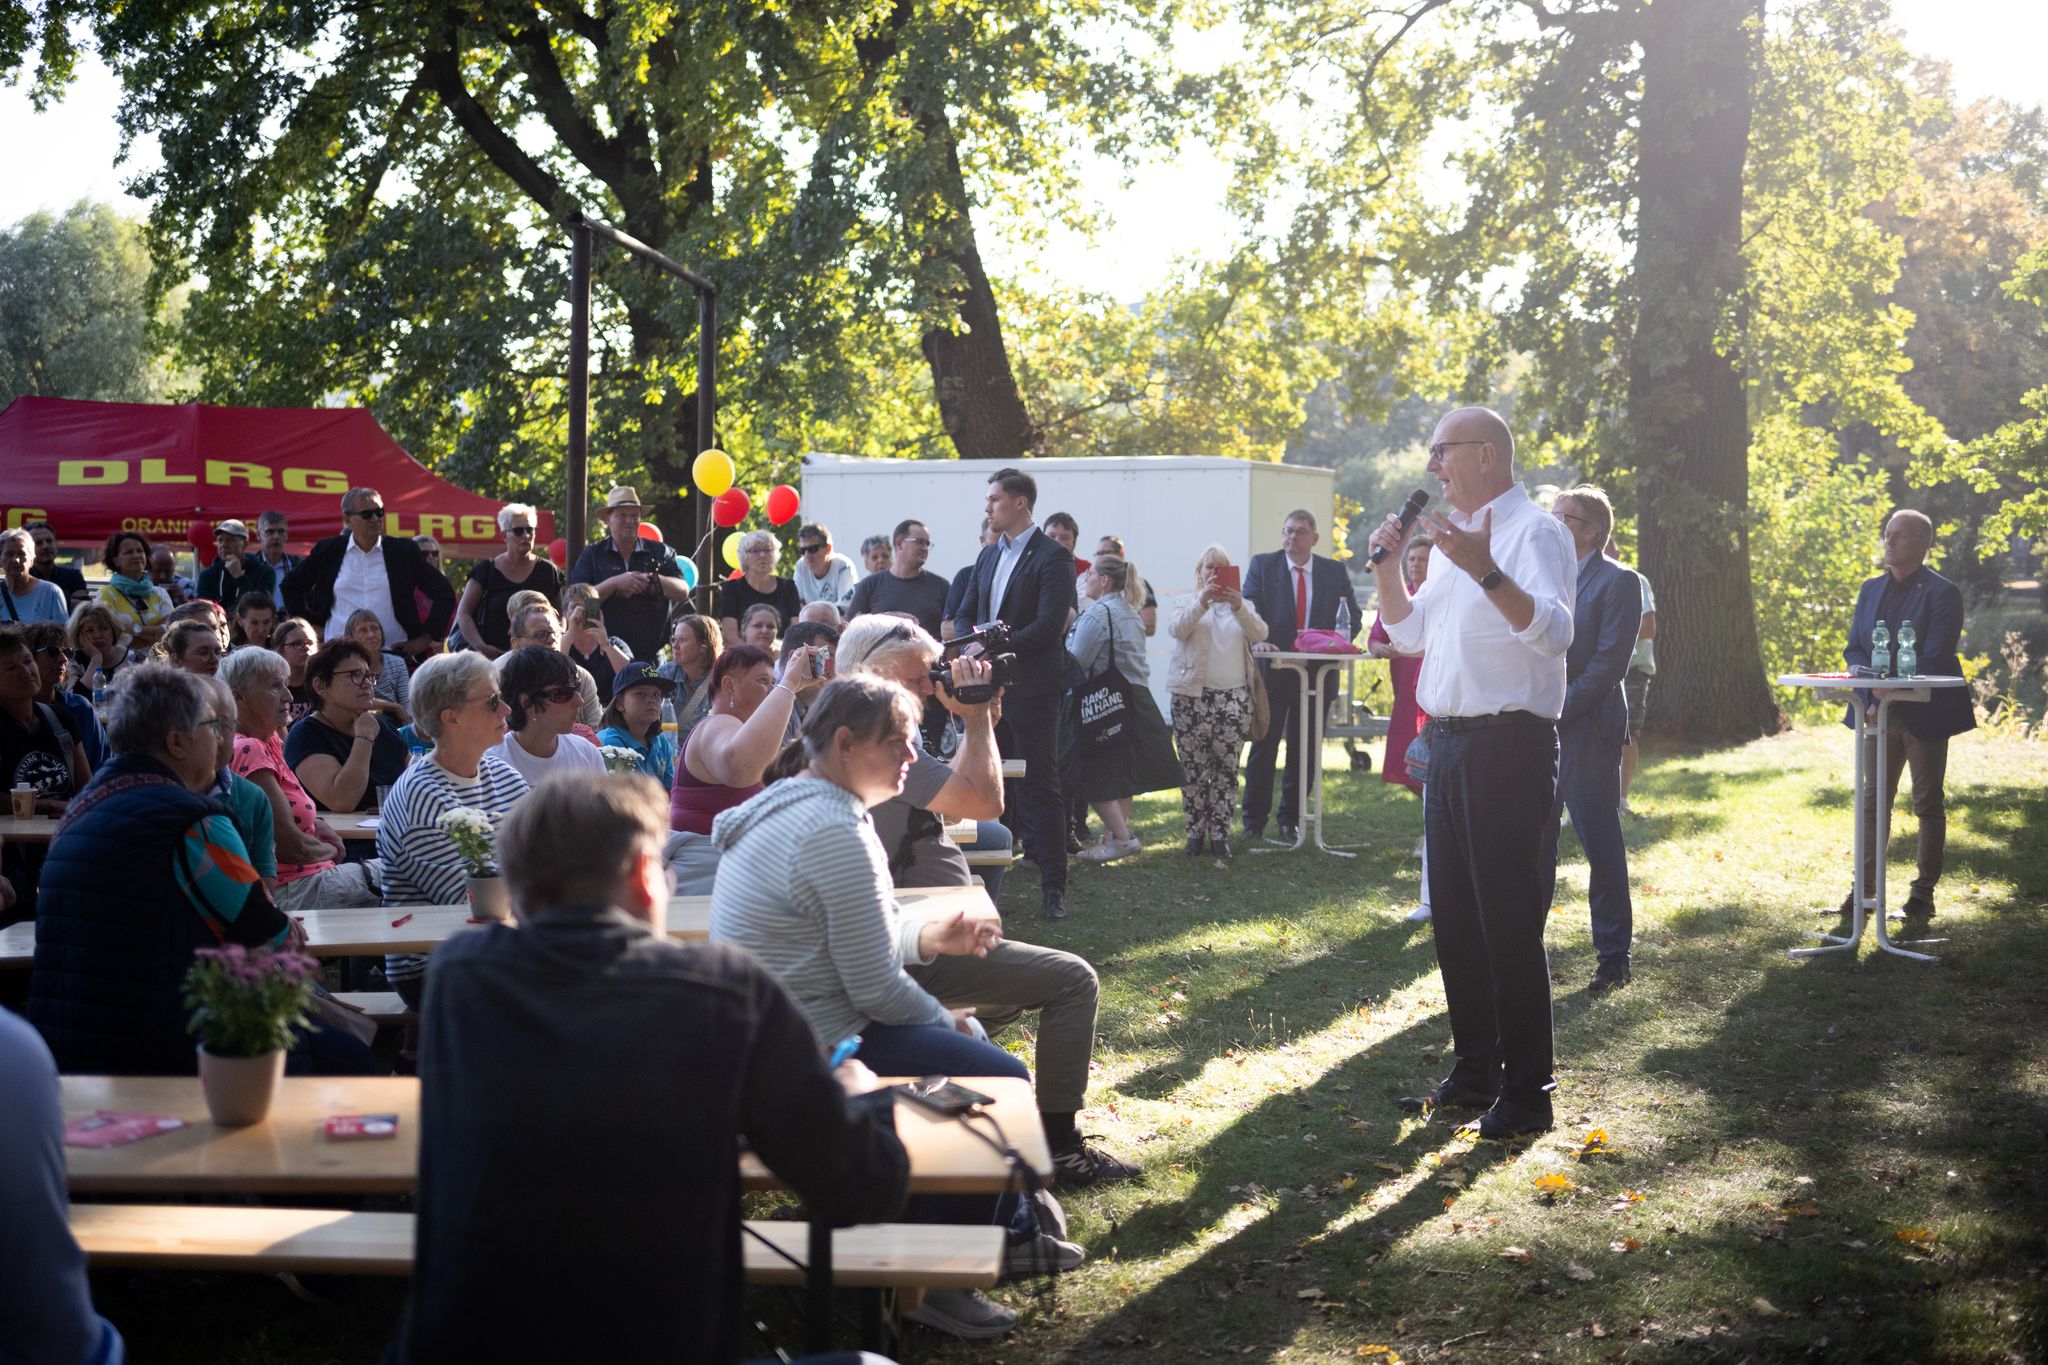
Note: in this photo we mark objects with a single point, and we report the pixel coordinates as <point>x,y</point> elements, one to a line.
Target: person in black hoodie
<point>596,1217</point>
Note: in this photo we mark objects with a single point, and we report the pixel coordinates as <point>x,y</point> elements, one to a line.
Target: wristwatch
<point>1492,579</point>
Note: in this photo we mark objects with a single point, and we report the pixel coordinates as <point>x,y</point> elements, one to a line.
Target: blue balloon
<point>689,567</point>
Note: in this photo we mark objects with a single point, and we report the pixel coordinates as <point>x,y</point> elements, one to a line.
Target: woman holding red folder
<point>1210,678</point>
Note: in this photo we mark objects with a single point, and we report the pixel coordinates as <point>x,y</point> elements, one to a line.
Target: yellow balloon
<point>713,473</point>
<point>731,552</point>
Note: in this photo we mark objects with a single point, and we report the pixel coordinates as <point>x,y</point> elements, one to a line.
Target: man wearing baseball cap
<point>234,571</point>
<point>635,578</point>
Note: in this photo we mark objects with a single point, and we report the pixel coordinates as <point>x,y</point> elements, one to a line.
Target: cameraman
<point>1015,977</point>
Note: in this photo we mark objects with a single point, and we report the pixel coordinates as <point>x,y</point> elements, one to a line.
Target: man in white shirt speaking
<point>1492,623</point>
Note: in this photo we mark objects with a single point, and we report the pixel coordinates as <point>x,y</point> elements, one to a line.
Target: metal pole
<point>707,421</point>
<point>577,481</point>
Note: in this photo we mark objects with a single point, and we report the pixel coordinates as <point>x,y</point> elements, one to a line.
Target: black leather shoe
<point>1609,979</point>
<point>1254,833</point>
<point>1508,1121</point>
<point>1220,846</point>
<point>1918,907</point>
<point>1289,832</point>
<point>1194,845</point>
<point>1055,905</point>
<point>1447,1095</point>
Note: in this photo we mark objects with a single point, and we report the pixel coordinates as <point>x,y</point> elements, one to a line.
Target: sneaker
<point>1096,853</point>
<point>1123,848</point>
<point>1084,1164</point>
<point>1041,1254</point>
<point>965,1313</point>
<point>1419,915</point>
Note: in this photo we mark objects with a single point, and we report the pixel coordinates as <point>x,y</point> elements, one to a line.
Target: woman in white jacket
<point>1210,679</point>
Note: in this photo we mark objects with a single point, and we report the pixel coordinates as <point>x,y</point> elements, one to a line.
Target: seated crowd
<point>196,750</point>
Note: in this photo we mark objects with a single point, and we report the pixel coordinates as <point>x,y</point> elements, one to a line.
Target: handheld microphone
<point>1409,511</point>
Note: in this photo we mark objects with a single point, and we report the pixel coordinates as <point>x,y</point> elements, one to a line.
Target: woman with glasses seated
<point>344,751</point>
<point>539,686</point>
<point>482,612</point>
<point>456,704</point>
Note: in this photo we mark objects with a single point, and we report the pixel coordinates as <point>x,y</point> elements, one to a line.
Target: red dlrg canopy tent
<point>90,469</point>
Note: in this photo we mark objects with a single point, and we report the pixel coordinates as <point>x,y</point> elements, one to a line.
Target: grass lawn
<point>1840,1158</point>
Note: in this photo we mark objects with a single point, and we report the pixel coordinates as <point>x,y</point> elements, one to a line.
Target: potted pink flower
<point>246,1004</point>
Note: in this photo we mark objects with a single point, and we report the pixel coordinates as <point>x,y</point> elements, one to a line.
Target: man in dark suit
<point>1592,729</point>
<point>1293,590</point>
<point>1917,732</point>
<point>1026,580</point>
<point>362,568</point>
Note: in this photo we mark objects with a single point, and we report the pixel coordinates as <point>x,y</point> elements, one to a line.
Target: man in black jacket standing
<point>362,568</point>
<point>1292,589</point>
<point>596,1217</point>
<point>1026,580</point>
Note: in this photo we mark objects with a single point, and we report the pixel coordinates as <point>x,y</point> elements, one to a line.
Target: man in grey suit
<point>1593,727</point>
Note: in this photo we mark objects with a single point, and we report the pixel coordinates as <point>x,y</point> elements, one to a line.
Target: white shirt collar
<point>1512,499</point>
<point>1017,541</point>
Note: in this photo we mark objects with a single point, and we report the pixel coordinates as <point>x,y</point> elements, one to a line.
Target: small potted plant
<point>470,830</point>
<point>618,758</point>
<point>246,1004</point>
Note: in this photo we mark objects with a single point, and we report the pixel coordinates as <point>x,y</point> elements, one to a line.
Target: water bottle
<point>668,714</point>
<point>1881,650</point>
<point>99,698</point>
<point>1909,658</point>
<point>1343,618</point>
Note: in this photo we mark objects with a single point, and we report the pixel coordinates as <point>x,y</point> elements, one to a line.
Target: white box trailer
<point>1167,508</point>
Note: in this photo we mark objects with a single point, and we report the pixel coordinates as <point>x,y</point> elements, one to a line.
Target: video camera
<point>994,639</point>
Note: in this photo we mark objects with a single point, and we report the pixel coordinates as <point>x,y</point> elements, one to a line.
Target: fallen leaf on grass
<point>1596,1331</point>
<point>1577,1271</point>
<point>1763,1307</point>
<point>1309,1293</point>
<point>1388,1166</point>
<point>1552,1185</point>
<point>1626,1244</point>
<point>1917,1237</point>
<point>1385,1353</point>
<point>1516,1254</point>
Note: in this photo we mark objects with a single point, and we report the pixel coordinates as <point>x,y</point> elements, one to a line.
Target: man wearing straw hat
<point>635,578</point>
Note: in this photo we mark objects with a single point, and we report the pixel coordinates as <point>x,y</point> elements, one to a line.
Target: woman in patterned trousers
<point>1210,679</point>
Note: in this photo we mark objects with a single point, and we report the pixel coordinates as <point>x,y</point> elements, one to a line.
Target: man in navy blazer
<point>1918,732</point>
<point>1274,584</point>
<point>1026,580</point>
<point>1593,727</point>
<point>363,567</point>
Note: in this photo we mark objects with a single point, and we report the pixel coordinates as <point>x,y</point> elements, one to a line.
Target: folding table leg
<point>819,1332</point>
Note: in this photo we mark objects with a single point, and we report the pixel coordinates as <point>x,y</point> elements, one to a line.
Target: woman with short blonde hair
<point>1210,678</point>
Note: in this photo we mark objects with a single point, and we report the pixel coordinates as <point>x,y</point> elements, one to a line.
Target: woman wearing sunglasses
<point>482,612</point>
<point>540,688</point>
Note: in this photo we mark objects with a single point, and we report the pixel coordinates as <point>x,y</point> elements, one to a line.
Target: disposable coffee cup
<point>24,801</point>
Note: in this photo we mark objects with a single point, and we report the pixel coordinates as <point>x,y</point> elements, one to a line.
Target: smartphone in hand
<point>1228,577</point>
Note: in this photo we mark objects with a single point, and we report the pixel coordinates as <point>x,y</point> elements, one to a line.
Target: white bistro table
<point>1309,721</point>
<point>1871,752</point>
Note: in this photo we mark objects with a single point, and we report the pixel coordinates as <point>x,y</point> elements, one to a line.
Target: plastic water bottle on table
<point>1909,657</point>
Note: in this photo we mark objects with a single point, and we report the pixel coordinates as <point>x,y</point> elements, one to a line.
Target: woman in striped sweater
<point>803,884</point>
<point>455,704</point>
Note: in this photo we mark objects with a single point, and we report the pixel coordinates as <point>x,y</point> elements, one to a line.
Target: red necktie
<point>1300,598</point>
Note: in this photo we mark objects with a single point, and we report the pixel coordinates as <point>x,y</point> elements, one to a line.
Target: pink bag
<point>1324,642</point>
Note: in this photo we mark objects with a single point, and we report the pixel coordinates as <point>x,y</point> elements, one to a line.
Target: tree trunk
<point>1687,416</point>
<point>979,402</point>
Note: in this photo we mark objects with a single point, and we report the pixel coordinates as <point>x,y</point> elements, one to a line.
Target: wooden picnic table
<point>43,828</point>
<point>376,929</point>
<point>289,1153</point>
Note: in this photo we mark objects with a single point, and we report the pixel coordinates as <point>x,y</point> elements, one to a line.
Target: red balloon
<point>558,550</point>
<point>730,508</point>
<point>735,573</point>
<point>783,503</point>
<point>649,531</point>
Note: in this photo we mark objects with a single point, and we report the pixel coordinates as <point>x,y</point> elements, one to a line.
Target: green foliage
<point>38,31</point>
<point>246,1002</point>
<point>74,309</point>
<point>1813,531</point>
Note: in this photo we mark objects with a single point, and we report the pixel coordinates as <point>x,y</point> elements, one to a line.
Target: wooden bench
<point>987,857</point>
<point>902,1256</point>
<point>383,1006</point>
